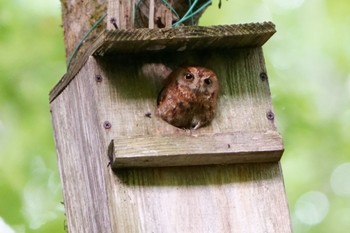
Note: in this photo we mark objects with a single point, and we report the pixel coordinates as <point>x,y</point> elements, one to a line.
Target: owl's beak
<point>200,89</point>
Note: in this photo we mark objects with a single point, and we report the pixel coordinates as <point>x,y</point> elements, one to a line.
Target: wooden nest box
<point>123,169</point>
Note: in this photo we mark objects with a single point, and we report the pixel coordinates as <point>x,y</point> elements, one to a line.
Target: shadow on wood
<point>199,175</point>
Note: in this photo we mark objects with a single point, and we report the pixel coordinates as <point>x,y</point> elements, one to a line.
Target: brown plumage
<point>189,98</point>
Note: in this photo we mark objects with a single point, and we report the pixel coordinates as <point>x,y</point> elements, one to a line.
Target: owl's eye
<point>208,81</point>
<point>189,76</point>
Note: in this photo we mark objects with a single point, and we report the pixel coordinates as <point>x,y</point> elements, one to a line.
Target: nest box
<point>122,166</point>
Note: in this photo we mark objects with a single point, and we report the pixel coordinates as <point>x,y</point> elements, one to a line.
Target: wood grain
<point>180,150</point>
<point>185,38</point>
<point>81,159</point>
<point>77,18</point>
<point>122,12</point>
<point>245,198</point>
<point>216,198</point>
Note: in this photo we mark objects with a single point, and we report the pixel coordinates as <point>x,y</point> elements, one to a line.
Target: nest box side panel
<point>81,156</point>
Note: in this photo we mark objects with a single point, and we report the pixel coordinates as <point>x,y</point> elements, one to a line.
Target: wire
<point>188,14</point>
<point>82,41</point>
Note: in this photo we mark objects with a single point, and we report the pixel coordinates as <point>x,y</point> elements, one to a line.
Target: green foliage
<point>308,66</point>
<point>31,62</point>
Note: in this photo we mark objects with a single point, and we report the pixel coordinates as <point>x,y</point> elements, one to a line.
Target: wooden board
<point>247,198</point>
<point>81,158</point>
<point>184,38</point>
<point>193,149</point>
<point>120,14</point>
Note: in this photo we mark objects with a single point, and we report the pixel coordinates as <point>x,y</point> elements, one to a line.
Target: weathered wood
<point>184,38</point>
<point>230,198</point>
<point>247,198</point>
<point>126,95</point>
<point>110,86</point>
<point>142,198</point>
<point>78,18</point>
<point>81,158</point>
<point>122,12</point>
<point>180,150</point>
<point>178,39</point>
<point>244,103</point>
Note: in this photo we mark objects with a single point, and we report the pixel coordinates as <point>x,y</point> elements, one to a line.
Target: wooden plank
<point>167,39</point>
<point>193,149</point>
<point>121,13</point>
<point>185,38</point>
<point>81,160</point>
<point>247,198</point>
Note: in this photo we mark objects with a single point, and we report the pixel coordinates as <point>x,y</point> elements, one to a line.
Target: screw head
<point>113,20</point>
<point>148,114</point>
<point>263,76</point>
<point>270,115</point>
<point>107,125</point>
<point>98,78</point>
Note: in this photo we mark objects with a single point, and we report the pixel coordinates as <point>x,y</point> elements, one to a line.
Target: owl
<point>189,98</point>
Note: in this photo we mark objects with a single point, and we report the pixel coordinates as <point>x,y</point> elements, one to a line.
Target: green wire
<point>190,3</point>
<point>188,15</point>
<point>189,11</point>
<point>170,7</point>
<point>82,41</point>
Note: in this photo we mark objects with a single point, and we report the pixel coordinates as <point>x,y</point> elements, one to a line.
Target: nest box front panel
<point>243,124</point>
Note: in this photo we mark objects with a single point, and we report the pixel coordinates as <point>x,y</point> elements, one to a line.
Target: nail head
<point>263,76</point>
<point>98,78</point>
<point>107,125</point>
<point>270,115</point>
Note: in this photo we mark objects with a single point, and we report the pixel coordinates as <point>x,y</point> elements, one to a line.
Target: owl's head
<point>198,79</point>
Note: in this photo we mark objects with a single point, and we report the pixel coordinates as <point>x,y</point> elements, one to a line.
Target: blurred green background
<point>308,63</point>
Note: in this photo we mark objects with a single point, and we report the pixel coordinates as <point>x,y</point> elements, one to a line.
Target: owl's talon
<point>194,127</point>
